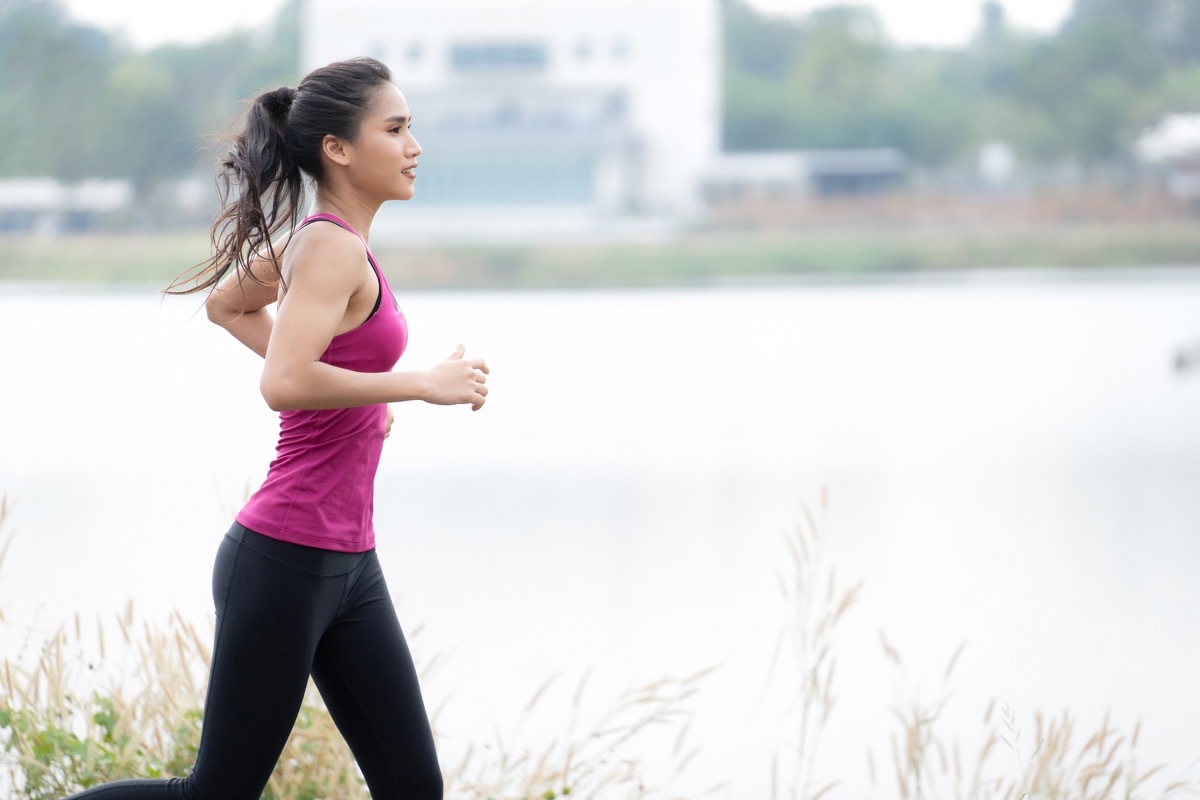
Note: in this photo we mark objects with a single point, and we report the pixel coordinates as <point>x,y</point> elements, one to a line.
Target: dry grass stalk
<point>61,731</point>
<point>815,605</point>
<point>65,727</point>
<point>593,761</point>
<point>1103,768</point>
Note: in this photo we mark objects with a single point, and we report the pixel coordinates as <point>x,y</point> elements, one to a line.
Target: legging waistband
<point>326,563</point>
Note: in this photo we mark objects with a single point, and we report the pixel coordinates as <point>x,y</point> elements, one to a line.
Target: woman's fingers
<point>461,380</point>
<point>481,391</point>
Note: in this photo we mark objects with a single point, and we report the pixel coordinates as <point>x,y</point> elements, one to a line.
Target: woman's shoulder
<point>324,251</point>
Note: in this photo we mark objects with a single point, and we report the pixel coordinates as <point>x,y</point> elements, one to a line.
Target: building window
<point>494,55</point>
<point>472,178</point>
<point>620,49</point>
<point>583,50</point>
<point>414,53</point>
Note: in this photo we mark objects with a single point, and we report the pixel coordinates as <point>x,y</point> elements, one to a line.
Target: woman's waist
<point>316,560</point>
<point>332,428</point>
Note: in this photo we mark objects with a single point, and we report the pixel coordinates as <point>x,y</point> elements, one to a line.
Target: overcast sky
<point>932,22</point>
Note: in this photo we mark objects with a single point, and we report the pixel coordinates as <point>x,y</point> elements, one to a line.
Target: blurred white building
<point>542,117</point>
<point>49,207</point>
<point>781,174</point>
<point>1171,150</point>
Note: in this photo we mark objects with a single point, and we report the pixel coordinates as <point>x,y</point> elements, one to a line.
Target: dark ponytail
<point>261,181</point>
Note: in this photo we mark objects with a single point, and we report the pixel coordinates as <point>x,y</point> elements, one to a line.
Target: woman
<point>297,585</point>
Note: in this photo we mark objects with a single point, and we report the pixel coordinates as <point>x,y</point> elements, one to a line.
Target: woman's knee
<point>415,783</point>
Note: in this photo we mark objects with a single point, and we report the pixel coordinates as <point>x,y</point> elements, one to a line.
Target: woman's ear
<point>335,149</point>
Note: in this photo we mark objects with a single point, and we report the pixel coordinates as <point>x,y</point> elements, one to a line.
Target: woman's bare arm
<point>324,270</point>
<point>240,305</point>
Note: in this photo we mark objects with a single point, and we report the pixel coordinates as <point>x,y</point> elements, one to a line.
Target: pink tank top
<point>320,487</point>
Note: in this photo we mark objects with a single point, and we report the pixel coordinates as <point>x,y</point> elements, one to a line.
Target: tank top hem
<point>319,541</point>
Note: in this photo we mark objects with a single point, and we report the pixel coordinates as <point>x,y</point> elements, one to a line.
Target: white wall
<point>664,55</point>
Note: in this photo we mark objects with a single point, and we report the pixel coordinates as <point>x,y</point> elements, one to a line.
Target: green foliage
<point>63,730</point>
<point>55,741</point>
<point>56,758</point>
<point>51,77</point>
<point>77,103</point>
<point>58,737</point>
<point>833,80</point>
<point>777,43</point>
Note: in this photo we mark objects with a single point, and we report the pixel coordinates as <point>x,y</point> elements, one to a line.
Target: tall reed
<point>1060,762</point>
<point>927,761</point>
<point>595,756</point>
<point>814,605</point>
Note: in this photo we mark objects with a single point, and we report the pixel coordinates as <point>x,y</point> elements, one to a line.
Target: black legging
<point>284,612</point>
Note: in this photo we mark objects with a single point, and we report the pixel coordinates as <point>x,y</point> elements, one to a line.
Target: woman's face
<point>383,157</point>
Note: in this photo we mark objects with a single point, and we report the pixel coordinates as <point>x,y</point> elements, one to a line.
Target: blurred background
<point>919,280</point>
<point>567,122</point>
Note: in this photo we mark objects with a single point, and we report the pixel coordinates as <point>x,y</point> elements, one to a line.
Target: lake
<point>1010,461</point>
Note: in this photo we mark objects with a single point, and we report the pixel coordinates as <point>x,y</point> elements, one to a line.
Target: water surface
<point>1009,462</point>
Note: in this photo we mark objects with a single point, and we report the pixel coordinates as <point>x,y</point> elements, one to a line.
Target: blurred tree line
<point>76,102</point>
<point>833,80</point>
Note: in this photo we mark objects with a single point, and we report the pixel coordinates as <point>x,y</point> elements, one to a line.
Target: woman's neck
<point>352,210</point>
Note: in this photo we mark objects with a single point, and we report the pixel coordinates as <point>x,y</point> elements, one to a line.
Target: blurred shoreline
<point>755,240</point>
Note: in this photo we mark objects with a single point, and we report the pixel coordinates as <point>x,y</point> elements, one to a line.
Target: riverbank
<point>692,258</point>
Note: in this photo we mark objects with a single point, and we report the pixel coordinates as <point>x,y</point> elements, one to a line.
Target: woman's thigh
<point>365,673</point>
<point>269,618</point>
<point>266,635</point>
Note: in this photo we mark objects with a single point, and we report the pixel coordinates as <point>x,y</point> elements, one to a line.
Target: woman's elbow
<point>217,309</point>
<point>277,391</point>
